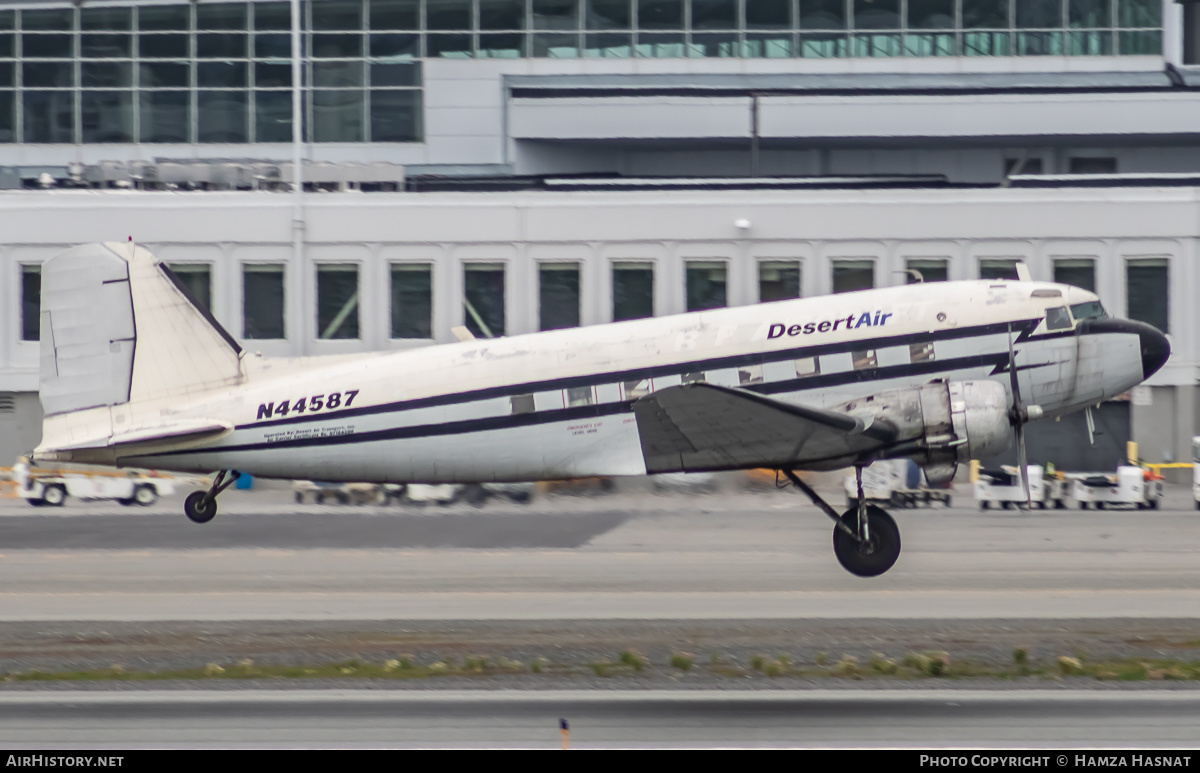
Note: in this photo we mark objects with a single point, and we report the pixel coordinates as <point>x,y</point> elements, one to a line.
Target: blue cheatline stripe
<point>1022,327</point>
<point>595,411</point>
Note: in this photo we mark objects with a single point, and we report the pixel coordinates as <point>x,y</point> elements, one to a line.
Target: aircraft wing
<point>695,427</point>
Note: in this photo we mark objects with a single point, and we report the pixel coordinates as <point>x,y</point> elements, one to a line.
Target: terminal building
<point>522,165</point>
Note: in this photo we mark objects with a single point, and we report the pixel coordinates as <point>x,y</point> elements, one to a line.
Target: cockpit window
<point>1089,310</point>
<point>1057,318</point>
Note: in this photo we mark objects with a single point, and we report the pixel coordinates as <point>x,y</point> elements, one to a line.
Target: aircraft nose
<point>1155,349</point>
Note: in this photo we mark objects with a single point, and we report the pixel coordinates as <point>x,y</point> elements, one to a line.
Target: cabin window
<point>693,378</point>
<point>851,275</point>
<point>483,299</point>
<point>1148,291</point>
<point>927,270</point>
<point>1080,272</point>
<point>337,301</point>
<point>864,359</point>
<point>750,374</point>
<point>197,278</point>
<point>412,300</point>
<point>633,290</point>
<point>998,268</point>
<point>579,396</point>
<point>778,280</point>
<point>706,280</point>
<point>808,366</point>
<point>636,389</point>
<point>31,302</point>
<point>263,301</point>
<point>521,404</point>
<point>558,295</point>
<point>920,352</point>
<point>1057,318</point>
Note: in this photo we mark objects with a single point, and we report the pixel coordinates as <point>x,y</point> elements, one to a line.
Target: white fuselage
<point>559,404</point>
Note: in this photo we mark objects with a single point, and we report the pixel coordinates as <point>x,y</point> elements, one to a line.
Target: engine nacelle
<point>941,424</point>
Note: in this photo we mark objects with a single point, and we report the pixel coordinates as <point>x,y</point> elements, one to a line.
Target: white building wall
<point>522,230</point>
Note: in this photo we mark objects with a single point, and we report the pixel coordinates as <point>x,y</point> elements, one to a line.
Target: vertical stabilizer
<point>87,346</point>
<point>181,349</point>
<point>118,328</point>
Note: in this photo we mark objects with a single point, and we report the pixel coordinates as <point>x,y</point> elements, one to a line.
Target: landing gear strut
<point>201,506</point>
<point>866,540</point>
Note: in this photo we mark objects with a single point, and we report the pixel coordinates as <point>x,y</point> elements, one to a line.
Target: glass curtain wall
<point>212,72</point>
<point>220,72</point>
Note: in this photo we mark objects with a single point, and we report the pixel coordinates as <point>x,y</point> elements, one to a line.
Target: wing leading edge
<point>696,427</point>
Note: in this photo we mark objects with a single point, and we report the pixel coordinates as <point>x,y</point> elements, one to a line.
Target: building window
<point>1148,291</point>
<point>483,299</point>
<point>1080,272</point>
<point>778,280</point>
<point>337,300</point>
<point>998,268</point>
<point>31,302</point>
<point>1092,165</point>
<point>705,284</point>
<point>851,275</point>
<point>197,278</point>
<point>1024,165</point>
<point>214,72</point>
<point>633,291</point>
<point>412,300</point>
<point>558,295</point>
<point>926,270</point>
<point>263,301</point>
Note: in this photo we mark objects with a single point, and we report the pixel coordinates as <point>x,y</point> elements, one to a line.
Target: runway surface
<point>722,556</point>
<point>583,578</point>
<point>646,719</point>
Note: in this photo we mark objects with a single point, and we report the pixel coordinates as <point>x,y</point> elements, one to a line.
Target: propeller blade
<point>1023,461</point>
<point>1018,420</point>
<point>1091,424</point>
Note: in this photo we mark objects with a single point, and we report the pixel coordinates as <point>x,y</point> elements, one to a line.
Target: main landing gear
<point>201,506</point>
<point>866,540</point>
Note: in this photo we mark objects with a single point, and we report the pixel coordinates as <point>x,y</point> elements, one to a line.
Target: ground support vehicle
<point>473,494</point>
<point>894,482</point>
<point>1002,488</point>
<point>342,493</point>
<point>1196,471</point>
<point>1130,488</point>
<point>53,489</point>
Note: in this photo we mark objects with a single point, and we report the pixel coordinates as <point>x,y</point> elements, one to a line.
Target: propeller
<point>1018,417</point>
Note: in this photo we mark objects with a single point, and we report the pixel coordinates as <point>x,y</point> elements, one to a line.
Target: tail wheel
<point>54,496</point>
<point>874,556</point>
<point>197,509</point>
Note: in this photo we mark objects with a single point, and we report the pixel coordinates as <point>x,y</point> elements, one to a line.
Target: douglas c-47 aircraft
<point>134,372</point>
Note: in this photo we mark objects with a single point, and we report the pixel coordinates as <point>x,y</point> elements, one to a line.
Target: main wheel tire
<point>195,508</point>
<point>878,554</point>
<point>145,495</point>
<point>54,496</point>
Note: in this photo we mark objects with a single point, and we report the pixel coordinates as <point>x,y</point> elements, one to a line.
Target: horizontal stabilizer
<point>174,434</point>
<point>695,427</point>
